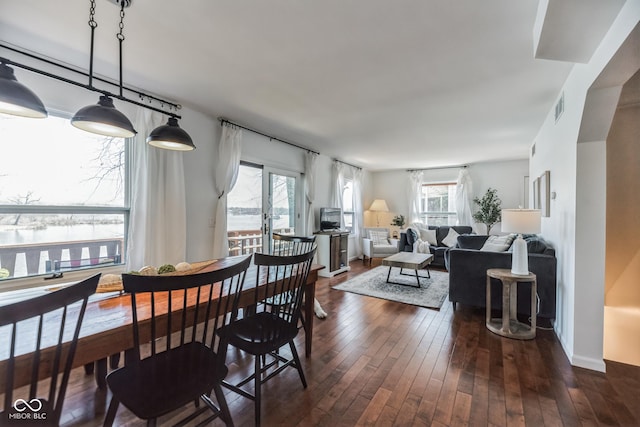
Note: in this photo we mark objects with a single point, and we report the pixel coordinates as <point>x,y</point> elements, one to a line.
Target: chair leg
<point>296,358</point>
<point>225,414</point>
<point>111,412</point>
<point>258,386</point>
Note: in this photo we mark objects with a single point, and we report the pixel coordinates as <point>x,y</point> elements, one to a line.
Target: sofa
<point>409,240</point>
<point>468,265</point>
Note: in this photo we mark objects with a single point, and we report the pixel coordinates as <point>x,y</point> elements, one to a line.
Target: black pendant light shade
<point>104,119</point>
<point>171,137</point>
<point>17,99</point>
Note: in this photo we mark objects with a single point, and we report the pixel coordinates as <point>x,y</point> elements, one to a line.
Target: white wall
<point>505,176</point>
<point>579,302</point>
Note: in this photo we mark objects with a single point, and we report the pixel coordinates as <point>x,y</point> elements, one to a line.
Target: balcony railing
<point>243,242</point>
<point>45,257</point>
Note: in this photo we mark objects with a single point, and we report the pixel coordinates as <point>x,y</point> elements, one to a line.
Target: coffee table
<point>410,260</point>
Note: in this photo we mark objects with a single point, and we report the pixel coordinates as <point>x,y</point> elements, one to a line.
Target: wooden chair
<point>271,323</point>
<point>287,245</point>
<point>182,365</point>
<point>51,324</point>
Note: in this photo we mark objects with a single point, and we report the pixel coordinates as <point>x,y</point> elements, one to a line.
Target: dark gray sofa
<point>468,267</point>
<point>406,242</point>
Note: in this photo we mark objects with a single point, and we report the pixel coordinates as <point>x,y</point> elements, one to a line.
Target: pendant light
<point>103,118</point>
<point>171,137</point>
<point>17,99</point>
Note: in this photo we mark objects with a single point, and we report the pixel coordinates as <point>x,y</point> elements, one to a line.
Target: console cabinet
<point>333,252</point>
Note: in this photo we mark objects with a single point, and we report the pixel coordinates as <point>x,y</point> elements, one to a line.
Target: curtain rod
<point>442,168</point>
<point>223,121</point>
<point>348,164</point>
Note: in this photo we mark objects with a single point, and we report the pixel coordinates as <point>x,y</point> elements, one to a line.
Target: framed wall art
<point>545,194</point>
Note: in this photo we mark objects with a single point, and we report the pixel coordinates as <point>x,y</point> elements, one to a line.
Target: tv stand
<point>333,252</point>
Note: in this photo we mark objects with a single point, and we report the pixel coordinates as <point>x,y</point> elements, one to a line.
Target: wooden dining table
<point>107,327</point>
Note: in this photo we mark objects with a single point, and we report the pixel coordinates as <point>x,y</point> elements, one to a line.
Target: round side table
<point>509,326</point>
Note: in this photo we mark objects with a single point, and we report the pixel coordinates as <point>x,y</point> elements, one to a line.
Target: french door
<point>263,201</point>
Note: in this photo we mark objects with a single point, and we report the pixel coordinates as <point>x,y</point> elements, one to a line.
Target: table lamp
<point>379,205</point>
<point>520,221</point>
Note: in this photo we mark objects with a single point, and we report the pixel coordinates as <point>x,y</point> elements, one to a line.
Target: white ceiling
<point>378,83</point>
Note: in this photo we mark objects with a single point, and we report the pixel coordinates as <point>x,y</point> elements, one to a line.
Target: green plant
<point>398,221</point>
<point>490,208</point>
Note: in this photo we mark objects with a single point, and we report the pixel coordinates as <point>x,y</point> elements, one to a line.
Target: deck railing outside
<point>243,242</point>
<point>45,257</point>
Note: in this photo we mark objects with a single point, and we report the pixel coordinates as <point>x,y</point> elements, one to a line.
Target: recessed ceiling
<point>377,83</point>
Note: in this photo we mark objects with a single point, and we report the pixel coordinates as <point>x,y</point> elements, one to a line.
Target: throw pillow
<point>498,243</point>
<point>379,237</point>
<point>451,239</point>
<point>429,236</point>
<point>412,236</point>
<point>421,247</point>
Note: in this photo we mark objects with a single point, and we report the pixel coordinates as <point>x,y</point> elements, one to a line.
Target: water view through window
<point>62,197</point>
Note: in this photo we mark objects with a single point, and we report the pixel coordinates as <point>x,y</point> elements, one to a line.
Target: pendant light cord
<point>93,24</point>
<point>120,37</point>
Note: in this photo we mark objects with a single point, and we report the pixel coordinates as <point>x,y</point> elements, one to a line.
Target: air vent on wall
<point>559,107</point>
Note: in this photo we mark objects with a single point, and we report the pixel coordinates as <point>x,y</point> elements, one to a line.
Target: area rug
<point>430,294</point>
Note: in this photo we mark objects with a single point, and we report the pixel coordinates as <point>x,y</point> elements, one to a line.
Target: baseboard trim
<point>577,360</point>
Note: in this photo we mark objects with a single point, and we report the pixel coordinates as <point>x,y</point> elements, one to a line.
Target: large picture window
<point>438,204</point>
<point>63,198</point>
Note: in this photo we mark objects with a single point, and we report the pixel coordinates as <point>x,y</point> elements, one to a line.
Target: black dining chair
<point>271,322</point>
<point>286,245</point>
<point>175,358</point>
<point>47,327</point>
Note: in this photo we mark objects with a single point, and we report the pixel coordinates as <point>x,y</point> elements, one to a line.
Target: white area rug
<point>430,294</point>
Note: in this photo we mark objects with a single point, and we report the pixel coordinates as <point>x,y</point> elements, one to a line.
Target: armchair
<point>377,244</point>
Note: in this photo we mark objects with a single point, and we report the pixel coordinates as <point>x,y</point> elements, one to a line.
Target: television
<point>330,219</point>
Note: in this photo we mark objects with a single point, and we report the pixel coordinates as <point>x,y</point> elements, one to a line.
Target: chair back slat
<point>189,307</point>
<point>288,245</point>
<point>50,324</point>
<point>281,290</point>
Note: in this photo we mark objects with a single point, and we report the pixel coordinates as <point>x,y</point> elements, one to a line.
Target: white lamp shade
<point>379,205</point>
<point>525,221</point>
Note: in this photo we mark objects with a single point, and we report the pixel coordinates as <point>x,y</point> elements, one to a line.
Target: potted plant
<point>398,221</point>
<point>489,211</point>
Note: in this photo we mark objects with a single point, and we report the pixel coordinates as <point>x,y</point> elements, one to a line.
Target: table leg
<point>309,298</point>
<point>101,373</point>
<point>506,307</point>
<point>487,318</point>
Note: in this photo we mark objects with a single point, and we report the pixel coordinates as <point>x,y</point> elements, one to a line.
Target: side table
<point>509,326</point>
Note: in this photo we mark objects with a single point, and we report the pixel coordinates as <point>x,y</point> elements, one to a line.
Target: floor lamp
<point>520,221</point>
<point>379,205</point>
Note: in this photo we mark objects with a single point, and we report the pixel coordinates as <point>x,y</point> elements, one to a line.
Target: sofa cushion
<point>412,236</point>
<point>535,244</point>
<point>498,243</point>
<point>379,237</point>
<point>451,239</point>
<point>471,241</point>
<point>442,231</point>
<point>428,236</point>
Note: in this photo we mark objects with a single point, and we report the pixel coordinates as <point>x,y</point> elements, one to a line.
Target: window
<point>63,198</point>
<point>438,204</point>
<point>347,205</point>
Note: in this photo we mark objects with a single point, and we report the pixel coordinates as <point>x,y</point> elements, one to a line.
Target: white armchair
<point>377,244</point>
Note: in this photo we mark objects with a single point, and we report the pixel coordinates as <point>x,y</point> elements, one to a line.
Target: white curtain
<point>358,212</point>
<point>415,192</point>
<point>464,190</point>
<point>157,222</point>
<point>338,187</point>
<point>226,173</point>
<point>310,167</point>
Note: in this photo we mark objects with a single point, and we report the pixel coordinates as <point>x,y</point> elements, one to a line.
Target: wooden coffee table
<point>410,260</point>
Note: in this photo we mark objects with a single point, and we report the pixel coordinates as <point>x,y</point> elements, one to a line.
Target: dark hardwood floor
<point>377,362</point>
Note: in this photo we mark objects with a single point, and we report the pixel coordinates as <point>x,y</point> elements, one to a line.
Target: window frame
<point>74,274</point>
<point>424,204</point>
<point>345,212</point>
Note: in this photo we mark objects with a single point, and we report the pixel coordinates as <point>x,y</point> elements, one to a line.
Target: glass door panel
<point>281,213</point>
<point>244,212</point>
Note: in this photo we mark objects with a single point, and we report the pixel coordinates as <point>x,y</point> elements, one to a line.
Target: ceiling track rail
<point>141,95</point>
